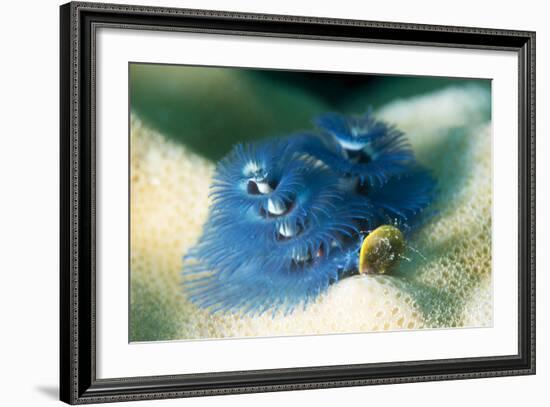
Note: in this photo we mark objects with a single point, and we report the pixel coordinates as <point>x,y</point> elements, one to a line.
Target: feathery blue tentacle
<point>359,146</point>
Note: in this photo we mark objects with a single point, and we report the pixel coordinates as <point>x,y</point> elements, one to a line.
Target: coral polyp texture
<point>288,215</point>
<point>297,211</point>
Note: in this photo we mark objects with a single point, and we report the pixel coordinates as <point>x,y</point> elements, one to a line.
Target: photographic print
<point>256,202</point>
<point>273,202</point>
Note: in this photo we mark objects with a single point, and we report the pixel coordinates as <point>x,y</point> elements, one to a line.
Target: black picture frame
<point>78,382</point>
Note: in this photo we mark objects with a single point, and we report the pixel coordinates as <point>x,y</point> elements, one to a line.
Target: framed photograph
<point>255,203</point>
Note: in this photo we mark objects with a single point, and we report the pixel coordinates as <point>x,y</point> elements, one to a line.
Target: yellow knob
<point>381,250</point>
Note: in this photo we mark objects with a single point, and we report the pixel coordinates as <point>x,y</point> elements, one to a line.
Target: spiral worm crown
<point>288,215</point>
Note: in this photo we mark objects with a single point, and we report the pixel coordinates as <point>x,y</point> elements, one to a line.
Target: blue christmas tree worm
<point>288,216</point>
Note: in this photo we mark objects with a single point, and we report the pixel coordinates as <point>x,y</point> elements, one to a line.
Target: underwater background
<point>183,120</point>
